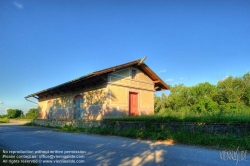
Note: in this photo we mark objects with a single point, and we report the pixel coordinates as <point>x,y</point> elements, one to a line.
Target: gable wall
<point>121,83</point>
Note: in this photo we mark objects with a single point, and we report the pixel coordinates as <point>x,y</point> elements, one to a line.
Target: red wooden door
<point>133,104</point>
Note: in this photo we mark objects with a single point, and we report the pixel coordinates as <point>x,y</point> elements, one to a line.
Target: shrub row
<point>4,120</point>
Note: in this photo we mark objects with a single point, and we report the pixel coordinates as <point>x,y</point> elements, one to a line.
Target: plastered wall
<point>107,100</point>
<point>121,83</point>
<point>63,106</point>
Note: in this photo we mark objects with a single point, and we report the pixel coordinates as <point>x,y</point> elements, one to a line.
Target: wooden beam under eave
<point>102,78</point>
<point>61,90</point>
<point>157,87</point>
<point>80,85</point>
<point>68,89</point>
<point>90,82</point>
<point>157,81</point>
<point>51,93</point>
<point>41,95</point>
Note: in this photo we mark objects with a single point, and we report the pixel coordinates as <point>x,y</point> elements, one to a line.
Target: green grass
<point>180,135</point>
<point>4,120</point>
<point>31,123</point>
<point>23,118</point>
<point>17,160</point>
<point>189,116</point>
<point>184,136</point>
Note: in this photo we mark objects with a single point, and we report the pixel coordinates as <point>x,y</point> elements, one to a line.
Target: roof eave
<point>159,84</point>
<point>94,74</point>
<point>156,79</point>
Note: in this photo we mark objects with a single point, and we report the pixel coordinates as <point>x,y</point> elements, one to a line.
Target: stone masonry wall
<point>212,128</point>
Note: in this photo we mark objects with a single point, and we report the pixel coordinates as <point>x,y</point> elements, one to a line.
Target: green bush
<point>69,128</point>
<point>32,113</point>
<point>4,120</point>
<point>14,113</point>
<point>3,116</point>
<point>30,124</point>
<point>207,106</point>
<point>229,99</point>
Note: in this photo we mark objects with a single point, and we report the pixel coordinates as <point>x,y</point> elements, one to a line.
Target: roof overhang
<point>159,84</point>
<point>98,78</point>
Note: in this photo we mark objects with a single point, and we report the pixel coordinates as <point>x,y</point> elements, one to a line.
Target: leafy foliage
<point>14,113</point>
<point>3,116</point>
<point>32,113</point>
<point>4,120</point>
<point>229,95</point>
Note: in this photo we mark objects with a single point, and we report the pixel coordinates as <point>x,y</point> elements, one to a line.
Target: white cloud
<point>1,102</point>
<point>162,71</point>
<point>222,77</point>
<point>225,77</point>
<point>183,78</point>
<point>169,80</point>
<point>18,5</point>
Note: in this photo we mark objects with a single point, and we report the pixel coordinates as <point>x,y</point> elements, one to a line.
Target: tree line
<point>16,113</point>
<point>231,94</point>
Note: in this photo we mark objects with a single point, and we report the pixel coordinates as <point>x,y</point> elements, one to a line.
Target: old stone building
<point>123,90</point>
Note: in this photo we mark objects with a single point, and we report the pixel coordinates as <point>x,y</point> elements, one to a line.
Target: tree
<point>32,113</point>
<point>234,91</point>
<point>14,113</point>
<point>178,97</point>
<point>183,96</point>
<point>246,96</point>
<point>160,103</point>
<point>207,106</point>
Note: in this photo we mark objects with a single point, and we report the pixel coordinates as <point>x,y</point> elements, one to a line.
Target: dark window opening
<point>49,111</point>
<point>133,73</point>
<point>78,104</point>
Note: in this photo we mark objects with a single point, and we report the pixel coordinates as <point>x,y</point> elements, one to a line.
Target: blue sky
<point>44,43</point>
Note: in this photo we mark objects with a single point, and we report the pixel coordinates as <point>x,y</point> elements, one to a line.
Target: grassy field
<point>188,116</point>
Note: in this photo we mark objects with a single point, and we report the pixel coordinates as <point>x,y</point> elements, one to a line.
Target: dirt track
<point>15,122</point>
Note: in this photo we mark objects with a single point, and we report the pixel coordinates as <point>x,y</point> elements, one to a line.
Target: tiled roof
<point>99,77</point>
